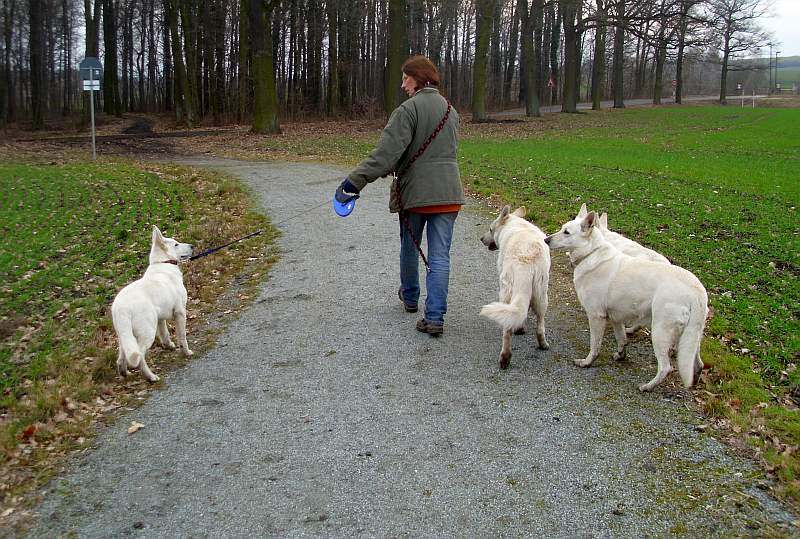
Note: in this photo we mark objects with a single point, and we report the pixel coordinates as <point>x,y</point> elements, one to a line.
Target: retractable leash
<point>398,174</point>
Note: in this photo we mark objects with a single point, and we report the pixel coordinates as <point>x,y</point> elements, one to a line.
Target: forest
<point>258,62</point>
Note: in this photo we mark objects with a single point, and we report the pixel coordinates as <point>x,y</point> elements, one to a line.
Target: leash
<point>399,174</point>
<point>256,233</point>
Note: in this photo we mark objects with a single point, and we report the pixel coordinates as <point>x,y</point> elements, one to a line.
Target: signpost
<point>91,70</point>
<point>741,90</point>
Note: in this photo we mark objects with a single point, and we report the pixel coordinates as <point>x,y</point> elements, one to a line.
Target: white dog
<point>624,290</point>
<point>141,310</point>
<point>523,265</point>
<point>626,245</point>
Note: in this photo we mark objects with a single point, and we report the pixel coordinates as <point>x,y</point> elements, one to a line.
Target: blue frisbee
<point>343,210</point>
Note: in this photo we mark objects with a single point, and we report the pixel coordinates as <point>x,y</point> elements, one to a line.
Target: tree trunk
<point>190,89</point>
<point>395,55</point>
<point>619,57</point>
<point>7,102</point>
<point>723,84</point>
<point>111,99</point>
<point>483,26</point>
<point>511,54</point>
<point>37,58</point>
<point>555,37</point>
<point>568,10</point>
<point>333,58</point>
<point>265,99</point>
<point>244,59</point>
<point>182,98</point>
<point>529,22</point>
<point>682,27</point>
<point>599,63</point>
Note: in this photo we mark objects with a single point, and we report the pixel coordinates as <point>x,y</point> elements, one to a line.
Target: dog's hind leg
<point>539,301</point>
<point>122,363</point>
<point>662,343</point>
<point>597,327</point>
<point>505,353</point>
<point>622,340</point>
<point>146,372</point>
<point>163,335</point>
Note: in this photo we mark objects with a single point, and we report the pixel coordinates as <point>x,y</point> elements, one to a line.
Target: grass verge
<point>73,235</point>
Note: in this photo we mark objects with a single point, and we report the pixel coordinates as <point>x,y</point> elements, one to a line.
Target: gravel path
<point>322,412</point>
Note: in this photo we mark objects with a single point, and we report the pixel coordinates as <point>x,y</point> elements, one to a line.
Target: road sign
<point>674,83</point>
<point>551,83</point>
<point>91,71</point>
<point>738,85</point>
<point>91,68</point>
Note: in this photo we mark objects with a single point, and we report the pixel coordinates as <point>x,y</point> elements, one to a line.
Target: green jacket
<point>433,179</point>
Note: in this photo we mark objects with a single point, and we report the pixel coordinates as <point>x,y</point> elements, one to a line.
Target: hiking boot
<point>434,330</point>
<point>407,306</point>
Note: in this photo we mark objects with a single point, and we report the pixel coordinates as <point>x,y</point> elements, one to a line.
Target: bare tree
<point>735,22</point>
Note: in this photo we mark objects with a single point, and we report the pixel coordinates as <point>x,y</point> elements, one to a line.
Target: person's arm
<point>396,137</point>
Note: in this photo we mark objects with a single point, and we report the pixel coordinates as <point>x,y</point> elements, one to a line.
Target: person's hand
<point>346,192</point>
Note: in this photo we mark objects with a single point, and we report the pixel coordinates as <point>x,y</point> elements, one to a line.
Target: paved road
<point>322,412</point>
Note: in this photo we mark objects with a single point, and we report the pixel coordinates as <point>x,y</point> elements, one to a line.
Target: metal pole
<point>754,97</point>
<point>91,107</point>
<point>770,70</point>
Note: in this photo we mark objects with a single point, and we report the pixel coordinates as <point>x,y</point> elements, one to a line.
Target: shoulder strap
<point>427,142</point>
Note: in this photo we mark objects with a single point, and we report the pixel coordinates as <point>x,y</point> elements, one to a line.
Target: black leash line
<point>256,233</point>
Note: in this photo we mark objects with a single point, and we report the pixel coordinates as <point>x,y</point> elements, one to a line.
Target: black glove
<point>346,192</point>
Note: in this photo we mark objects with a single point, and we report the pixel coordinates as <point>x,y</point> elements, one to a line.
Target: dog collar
<point>175,262</point>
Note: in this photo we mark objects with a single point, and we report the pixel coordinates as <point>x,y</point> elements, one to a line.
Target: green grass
<point>72,236</point>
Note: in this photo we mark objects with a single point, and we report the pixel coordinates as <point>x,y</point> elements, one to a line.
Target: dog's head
<point>490,238</point>
<point>573,234</point>
<point>163,249</point>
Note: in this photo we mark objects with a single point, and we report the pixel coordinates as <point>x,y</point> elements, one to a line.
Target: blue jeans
<point>440,236</point>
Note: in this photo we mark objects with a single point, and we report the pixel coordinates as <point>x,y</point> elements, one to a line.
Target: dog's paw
<point>645,387</point>
<point>619,356</point>
<point>188,353</point>
<point>169,345</point>
<point>505,360</point>
<point>583,362</point>
<point>153,379</point>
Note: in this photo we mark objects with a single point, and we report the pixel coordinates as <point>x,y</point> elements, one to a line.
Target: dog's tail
<point>512,315</point>
<point>130,354</point>
<point>688,349</point>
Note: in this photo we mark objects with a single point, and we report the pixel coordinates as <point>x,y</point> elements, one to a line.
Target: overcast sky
<point>784,26</point>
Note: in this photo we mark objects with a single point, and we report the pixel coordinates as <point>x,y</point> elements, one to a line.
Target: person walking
<point>419,145</point>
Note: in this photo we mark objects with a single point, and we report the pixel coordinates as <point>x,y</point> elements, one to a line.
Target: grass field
<point>72,236</point>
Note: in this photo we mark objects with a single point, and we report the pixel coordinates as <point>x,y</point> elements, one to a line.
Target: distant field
<point>715,189</point>
<point>788,75</point>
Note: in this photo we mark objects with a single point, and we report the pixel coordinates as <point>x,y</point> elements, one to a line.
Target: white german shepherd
<point>141,310</point>
<point>626,245</point>
<point>624,290</point>
<point>523,265</point>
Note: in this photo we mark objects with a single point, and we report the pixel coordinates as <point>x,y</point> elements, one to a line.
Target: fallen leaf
<point>135,425</point>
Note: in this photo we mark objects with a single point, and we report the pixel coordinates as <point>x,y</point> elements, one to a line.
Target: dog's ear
<point>158,237</point>
<point>583,212</point>
<point>520,212</point>
<point>504,213</point>
<point>602,221</point>
<point>589,221</point>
